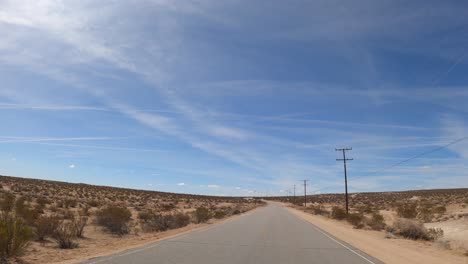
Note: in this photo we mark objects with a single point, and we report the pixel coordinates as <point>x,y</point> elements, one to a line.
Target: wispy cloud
<point>4,139</point>
<point>52,107</point>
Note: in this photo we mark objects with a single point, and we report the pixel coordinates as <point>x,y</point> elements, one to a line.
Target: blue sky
<point>234,97</point>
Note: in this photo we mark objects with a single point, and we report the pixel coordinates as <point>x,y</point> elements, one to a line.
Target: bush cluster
<point>80,224</point>
<point>338,213</point>
<point>65,235</point>
<point>435,233</point>
<point>377,222</point>
<point>154,222</point>
<point>319,210</point>
<point>356,219</point>
<point>219,214</point>
<point>115,219</point>
<point>202,215</point>
<point>407,210</point>
<point>409,229</point>
<point>45,226</point>
<point>14,236</point>
<point>7,203</point>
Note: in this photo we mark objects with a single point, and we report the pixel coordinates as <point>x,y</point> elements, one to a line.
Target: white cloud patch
<point>212,186</point>
<point>72,166</point>
<point>181,184</point>
<point>228,132</point>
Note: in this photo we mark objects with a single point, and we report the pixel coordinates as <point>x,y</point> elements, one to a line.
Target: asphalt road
<point>268,235</point>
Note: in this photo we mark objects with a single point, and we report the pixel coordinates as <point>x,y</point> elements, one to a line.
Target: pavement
<point>270,235</point>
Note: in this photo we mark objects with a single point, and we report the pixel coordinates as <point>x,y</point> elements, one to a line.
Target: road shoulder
<point>375,244</point>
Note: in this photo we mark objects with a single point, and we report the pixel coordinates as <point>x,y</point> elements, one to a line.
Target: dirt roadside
<point>375,244</point>
<point>97,244</point>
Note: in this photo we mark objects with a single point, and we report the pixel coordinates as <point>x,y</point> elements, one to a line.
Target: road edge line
<point>326,234</point>
<point>343,245</point>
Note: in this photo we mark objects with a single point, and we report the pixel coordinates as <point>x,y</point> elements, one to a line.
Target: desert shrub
<point>67,214</point>
<point>65,235</point>
<point>84,211</point>
<point>144,216</point>
<point>115,219</point>
<point>14,236</point>
<point>236,212</point>
<point>435,233</point>
<point>7,203</point>
<point>298,202</point>
<point>42,201</point>
<point>39,208</point>
<point>20,205</point>
<point>158,222</point>
<point>53,208</point>
<point>93,203</point>
<point>155,223</point>
<point>181,220</point>
<point>439,209</point>
<point>368,208</point>
<point>377,222</point>
<point>202,215</point>
<point>80,224</point>
<point>219,214</point>
<point>338,213</point>
<point>319,210</point>
<point>409,229</point>
<point>425,214</point>
<point>46,226</point>
<point>407,210</point>
<point>168,207</point>
<point>70,203</point>
<point>21,209</point>
<point>356,220</point>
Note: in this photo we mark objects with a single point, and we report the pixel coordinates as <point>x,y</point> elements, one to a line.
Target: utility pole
<point>294,200</point>
<point>305,192</point>
<point>344,159</point>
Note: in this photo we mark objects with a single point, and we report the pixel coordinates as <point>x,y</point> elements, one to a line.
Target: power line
<point>406,160</point>
<point>415,157</point>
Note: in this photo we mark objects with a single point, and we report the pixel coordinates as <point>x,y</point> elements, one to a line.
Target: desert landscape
<point>55,222</point>
<point>438,218</point>
<point>190,132</point>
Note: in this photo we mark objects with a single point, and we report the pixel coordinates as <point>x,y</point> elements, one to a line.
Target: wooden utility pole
<point>294,200</point>
<point>305,192</point>
<point>344,159</point>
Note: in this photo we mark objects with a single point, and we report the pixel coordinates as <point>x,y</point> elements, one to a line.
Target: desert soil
<point>375,244</point>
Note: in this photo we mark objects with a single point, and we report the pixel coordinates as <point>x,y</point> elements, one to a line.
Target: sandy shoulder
<point>99,244</point>
<point>375,244</point>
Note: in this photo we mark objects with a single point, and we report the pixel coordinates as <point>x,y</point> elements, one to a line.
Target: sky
<point>235,97</point>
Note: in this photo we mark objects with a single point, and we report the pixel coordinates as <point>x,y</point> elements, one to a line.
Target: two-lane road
<point>270,235</point>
